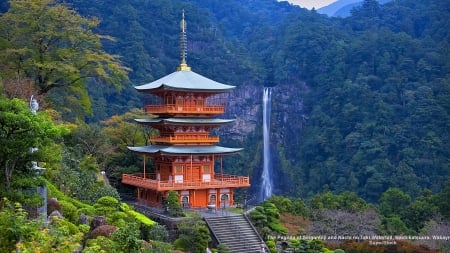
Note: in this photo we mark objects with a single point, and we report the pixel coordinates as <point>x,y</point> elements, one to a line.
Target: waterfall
<point>266,185</point>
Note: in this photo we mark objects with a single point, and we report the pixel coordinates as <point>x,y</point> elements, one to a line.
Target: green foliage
<point>59,235</point>
<point>394,202</point>
<point>307,246</point>
<point>79,179</point>
<point>140,217</point>
<point>347,201</point>
<point>107,202</point>
<point>157,232</point>
<point>393,225</point>
<point>271,244</point>
<point>14,225</point>
<point>52,191</point>
<point>172,204</point>
<point>418,213</point>
<point>442,202</point>
<point>282,203</point>
<point>93,144</point>
<point>299,208</point>
<point>99,244</point>
<point>223,248</point>
<point>69,211</point>
<point>160,247</point>
<point>37,35</point>
<point>265,218</point>
<point>20,130</point>
<point>193,235</point>
<point>126,239</point>
<point>89,163</point>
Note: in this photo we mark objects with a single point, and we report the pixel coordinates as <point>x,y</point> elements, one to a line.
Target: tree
<point>393,202</point>
<point>21,130</point>
<point>266,218</point>
<point>419,212</point>
<point>13,225</point>
<point>55,47</point>
<point>348,201</point>
<point>126,239</point>
<point>92,141</point>
<point>20,234</point>
<point>442,200</point>
<point>172,204</point>
<point>194,235</point>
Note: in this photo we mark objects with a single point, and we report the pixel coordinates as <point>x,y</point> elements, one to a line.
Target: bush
<point>69,211</point>
<point>106,205</point>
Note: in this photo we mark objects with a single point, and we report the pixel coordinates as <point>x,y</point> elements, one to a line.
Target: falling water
<point>266,186</point>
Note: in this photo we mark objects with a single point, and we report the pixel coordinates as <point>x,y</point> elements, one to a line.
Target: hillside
<point>360,103</point>
<point>342,8</point>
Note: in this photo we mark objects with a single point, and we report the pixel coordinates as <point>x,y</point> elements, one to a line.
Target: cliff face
<point>287,119</point>
<point>245,106</point>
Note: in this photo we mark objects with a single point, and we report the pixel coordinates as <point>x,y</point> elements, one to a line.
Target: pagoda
<point>185,155</point>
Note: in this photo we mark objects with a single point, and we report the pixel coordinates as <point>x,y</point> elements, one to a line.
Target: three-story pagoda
<point>185,153</point>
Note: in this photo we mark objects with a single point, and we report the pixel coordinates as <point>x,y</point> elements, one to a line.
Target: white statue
<point>34,105</point>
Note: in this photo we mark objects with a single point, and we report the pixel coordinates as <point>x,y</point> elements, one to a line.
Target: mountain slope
<point>342,8</point>
<point>359,104</point>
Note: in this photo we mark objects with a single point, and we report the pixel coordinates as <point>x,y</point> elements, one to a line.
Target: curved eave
<point>185,121</point>
<point>185,81</point>
<point>184,150</point>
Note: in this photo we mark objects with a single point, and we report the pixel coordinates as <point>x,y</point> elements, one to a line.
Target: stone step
<point>236,232</point>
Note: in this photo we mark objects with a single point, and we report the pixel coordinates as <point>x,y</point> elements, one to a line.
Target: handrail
<point>173,108</point>
<point>219,181</point>
<point>186,138</point>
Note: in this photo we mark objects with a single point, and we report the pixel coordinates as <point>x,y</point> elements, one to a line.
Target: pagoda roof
<point>185,80</point>
<point>186,121</point>
<point>183,150</point>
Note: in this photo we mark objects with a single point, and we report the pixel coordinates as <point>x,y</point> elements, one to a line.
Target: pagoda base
<point>194,198</point>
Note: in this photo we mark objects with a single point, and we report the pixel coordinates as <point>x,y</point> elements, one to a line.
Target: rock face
<point>244,104</point>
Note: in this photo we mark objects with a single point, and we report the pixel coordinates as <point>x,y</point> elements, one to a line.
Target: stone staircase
<point>236,232</point>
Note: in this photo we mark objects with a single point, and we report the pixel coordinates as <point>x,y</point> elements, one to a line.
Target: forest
<point>370,114</point>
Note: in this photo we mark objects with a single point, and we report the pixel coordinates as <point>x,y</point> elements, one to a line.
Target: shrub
<point>69,211</point>
<point>104,230</point>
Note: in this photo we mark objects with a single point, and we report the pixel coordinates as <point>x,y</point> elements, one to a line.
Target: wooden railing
<point>172,109</point>
<point>219,181</point>
<point>186,139</point>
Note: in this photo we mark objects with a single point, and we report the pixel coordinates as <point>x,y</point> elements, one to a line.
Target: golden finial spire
<point>183,45</point>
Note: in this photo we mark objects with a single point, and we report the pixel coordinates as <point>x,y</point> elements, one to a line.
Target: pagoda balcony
<point>219,181</point>
<point>174,109</point>
<point>200,139</point>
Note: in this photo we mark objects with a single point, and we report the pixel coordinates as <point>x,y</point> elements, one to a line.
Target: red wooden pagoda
<point>184,152</point>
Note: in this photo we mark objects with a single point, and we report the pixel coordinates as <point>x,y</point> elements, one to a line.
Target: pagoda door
<point>194,174</point>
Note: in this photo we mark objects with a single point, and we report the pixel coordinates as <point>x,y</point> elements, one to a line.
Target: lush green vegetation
<point>329,216</point>
<point>374,86</point>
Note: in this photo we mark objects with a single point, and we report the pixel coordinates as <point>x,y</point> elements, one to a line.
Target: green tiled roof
<point>185,80</point>
<point>186,121</point>
<point>184,150</point>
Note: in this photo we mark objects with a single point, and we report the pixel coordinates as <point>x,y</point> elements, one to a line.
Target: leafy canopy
<point>55,47</point>
<point>21,130</point>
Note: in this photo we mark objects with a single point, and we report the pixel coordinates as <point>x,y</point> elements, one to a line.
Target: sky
<point>309,4</point>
